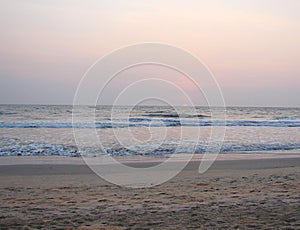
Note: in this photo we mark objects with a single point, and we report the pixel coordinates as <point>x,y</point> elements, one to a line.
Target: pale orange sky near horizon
<point>252,47</point>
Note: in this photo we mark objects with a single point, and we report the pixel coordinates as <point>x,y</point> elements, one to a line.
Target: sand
<point>232,194</point>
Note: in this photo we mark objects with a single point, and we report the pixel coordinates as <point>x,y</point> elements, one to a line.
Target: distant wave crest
<point>154,122</point>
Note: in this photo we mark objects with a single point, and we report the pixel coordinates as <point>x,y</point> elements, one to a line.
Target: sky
<point>251,46</point>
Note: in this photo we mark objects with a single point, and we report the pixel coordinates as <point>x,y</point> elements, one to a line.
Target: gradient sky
<point>251,46</point>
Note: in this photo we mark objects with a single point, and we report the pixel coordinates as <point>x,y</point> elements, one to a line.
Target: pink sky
<point>252,47</point>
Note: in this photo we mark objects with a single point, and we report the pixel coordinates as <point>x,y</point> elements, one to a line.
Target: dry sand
<point>232,194</point>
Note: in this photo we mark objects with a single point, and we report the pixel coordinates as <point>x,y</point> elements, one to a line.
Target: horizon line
<point>229,106</point>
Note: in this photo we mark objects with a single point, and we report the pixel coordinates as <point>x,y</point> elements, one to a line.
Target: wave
<point>175,115</point>
<point>287,118</point>
<point>43,149</point>
<point>39,149</point>
<point>7,113</point>
<point>146,122</point>
<point>173,148</point>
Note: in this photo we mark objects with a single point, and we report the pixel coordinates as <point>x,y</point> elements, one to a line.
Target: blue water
<point>48,130</point>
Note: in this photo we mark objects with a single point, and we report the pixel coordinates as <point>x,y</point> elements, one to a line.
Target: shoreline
<point>220,166</point>
<point>36,160</point>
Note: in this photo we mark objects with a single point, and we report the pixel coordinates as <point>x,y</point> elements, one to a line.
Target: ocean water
<point>43,130</point>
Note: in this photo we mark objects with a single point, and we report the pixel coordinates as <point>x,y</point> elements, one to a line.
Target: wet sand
<point>232,194</point>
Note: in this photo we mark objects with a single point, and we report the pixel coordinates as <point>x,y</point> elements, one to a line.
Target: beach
<point>258,192</point>
<point>150,115</point>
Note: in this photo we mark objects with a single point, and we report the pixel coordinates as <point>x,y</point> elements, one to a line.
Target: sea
<point>48,130</point>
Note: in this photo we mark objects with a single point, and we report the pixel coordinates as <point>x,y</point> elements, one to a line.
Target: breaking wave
<point>43,149</point>
<point>153,122</point>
